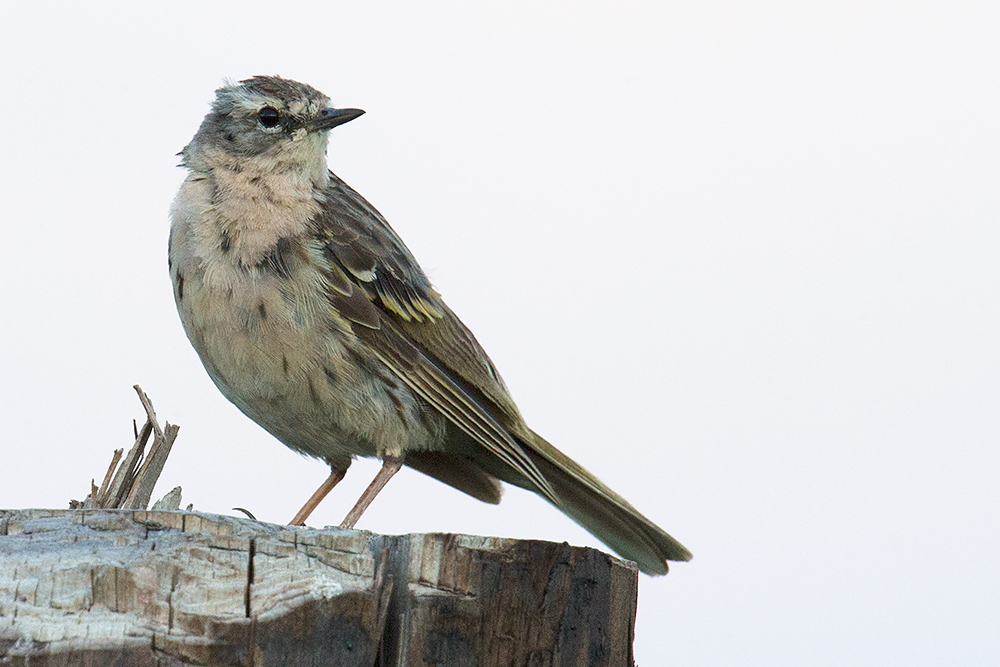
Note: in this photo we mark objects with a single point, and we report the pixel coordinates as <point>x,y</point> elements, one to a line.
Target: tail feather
<point>459,472</point>
<point>581,496</point>
<point>604,513</point>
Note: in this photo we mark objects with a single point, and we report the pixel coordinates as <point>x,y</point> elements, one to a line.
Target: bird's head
<point>265,118</point>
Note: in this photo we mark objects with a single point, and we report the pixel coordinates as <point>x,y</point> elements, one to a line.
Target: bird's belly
<point>287,362</point>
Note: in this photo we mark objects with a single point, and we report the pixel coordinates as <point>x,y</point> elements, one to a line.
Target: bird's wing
<point>376,284</point>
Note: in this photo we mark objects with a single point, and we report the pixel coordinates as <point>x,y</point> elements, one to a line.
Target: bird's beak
<point>330,118</point>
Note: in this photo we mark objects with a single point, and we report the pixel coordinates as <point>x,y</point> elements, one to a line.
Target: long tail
<point>605,514</point>
<point>578,494</point>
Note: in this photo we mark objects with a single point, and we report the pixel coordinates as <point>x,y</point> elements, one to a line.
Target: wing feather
<point>376,283</point>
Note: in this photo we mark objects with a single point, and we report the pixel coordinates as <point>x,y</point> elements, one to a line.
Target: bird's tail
<point>605,514</point>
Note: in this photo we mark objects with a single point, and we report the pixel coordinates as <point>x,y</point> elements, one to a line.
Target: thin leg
<point>336,474</point>
<point>390,466</point>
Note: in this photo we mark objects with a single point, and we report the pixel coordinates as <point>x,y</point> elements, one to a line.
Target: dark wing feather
<point>377,285</point>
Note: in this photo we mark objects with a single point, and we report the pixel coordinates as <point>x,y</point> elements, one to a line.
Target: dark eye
<point>268,116</point>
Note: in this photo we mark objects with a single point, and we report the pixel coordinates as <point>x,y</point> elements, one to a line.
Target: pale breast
<point>267,336</point>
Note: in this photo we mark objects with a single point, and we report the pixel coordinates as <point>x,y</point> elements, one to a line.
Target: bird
<point>311,315</point>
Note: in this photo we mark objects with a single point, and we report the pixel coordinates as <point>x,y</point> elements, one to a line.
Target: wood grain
<point>127,587</point>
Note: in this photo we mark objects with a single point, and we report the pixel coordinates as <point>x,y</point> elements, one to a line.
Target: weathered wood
<point>130,484</point>
<point>127,587</point>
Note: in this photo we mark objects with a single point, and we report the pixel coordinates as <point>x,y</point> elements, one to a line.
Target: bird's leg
<point>336,474</point>
<point>390,466</point>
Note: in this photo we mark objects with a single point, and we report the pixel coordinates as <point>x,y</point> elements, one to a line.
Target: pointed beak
<point>330,118</point>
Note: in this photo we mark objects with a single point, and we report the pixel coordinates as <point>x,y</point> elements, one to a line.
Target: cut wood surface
<point>129,587</point>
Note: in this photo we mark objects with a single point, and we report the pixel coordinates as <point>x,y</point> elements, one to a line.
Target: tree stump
<point>133,587</point>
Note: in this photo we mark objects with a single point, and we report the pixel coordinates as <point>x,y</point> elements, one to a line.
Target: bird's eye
<point>268,116</point>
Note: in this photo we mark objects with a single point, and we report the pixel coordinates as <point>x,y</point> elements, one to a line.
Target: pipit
<point>313,318</point>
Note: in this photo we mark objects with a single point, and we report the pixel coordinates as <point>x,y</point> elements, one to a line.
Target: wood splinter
<point>129,481</point>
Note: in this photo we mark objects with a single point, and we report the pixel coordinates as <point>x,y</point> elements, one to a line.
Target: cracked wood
<point>96,587</point>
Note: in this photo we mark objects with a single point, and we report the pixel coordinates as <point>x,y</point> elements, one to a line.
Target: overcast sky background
<point>741,260</point>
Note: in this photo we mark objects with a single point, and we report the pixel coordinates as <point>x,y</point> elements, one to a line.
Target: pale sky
<point>740,260</point>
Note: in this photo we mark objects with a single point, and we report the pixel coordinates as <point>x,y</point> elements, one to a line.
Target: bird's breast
<point>270,340</point>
